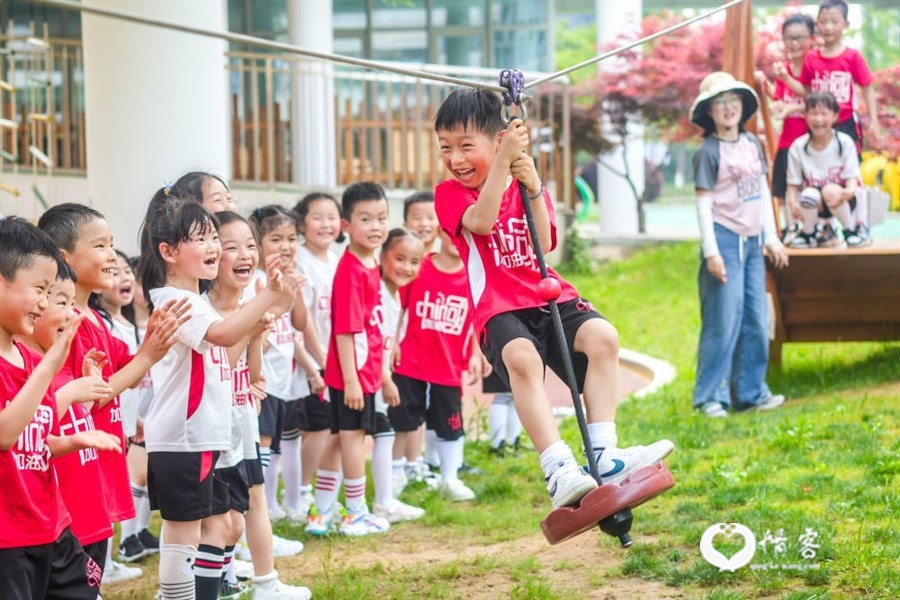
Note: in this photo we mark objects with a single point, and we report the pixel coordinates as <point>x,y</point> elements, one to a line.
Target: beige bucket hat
<point>717,83</point>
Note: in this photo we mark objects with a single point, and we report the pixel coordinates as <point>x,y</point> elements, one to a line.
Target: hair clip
<point>167,188</point>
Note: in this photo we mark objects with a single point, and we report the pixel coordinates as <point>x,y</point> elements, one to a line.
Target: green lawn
<point>827,461</point>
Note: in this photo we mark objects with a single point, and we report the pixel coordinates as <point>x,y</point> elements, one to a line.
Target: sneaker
<point>827,237</point>
<point>295,516</point>
<point>398,481</point>
<point>131,549</point>
<point>417,471</point>
<point>362,523</point>
<point>790,233</point>
<point>770,403</point>
<point>231,591</point>
<point>119,572</point>
<point>270,588</point>
<point>568,484</point>
<point>282,547</point>
<point>501,451</point>
<point>804,240</point>
<point>616,464</point>
<point>470,470</point>
<point>456,490</point>
<point>276,513</point>
<point>714,409</point>
<point>318,523</point>
<point>243,569</point>
<point>398,511</point>
<point>150,541</point>
<point>856,238</point>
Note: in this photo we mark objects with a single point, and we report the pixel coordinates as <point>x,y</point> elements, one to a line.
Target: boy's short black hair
<point>469,108</point>
<point>838,4</point>
<point>63,222</point>
<point>417,198</point>
<point>800,19</point>
<point>20,244</point>
<point>360,191</point>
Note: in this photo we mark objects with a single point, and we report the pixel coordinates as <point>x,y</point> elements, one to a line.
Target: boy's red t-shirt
<point>502,267</point>
<point>356,309</point>
<point>108,418</point>
<point>78,474</point>
<point>794,125</point>
<point>437,343</point>
<point>32,512</point>
<point>837,74</point>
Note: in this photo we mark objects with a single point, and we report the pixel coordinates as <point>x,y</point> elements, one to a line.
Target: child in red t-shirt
<point>39,555</point>
<point>482,212</point>
<point>439,344</point>
<point>353,367</point>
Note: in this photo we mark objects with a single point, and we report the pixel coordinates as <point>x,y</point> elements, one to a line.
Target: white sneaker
<point>398,481</point>
<point>282,547</point>
<point>714,409</point>
<point>242,552</point>
<point>270,588</point>
<point>398,511</point>
<point>616,464</point>
<point>243,569</point>
<point>568,484</point>
<point>119,572</point>
<point>456,490</point>
<point>362,523</point>
<point>770,403</point>
<point>296,517</point>
<point>276,513</point>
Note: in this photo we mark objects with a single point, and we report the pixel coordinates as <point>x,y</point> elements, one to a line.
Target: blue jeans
<point>733,353</point>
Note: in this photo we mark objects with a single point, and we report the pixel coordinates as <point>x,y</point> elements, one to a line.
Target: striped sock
<point>226,562</point>
<point>328,483</point>
<point>208,571</point>
<point>265,456</point>
<point>176,575</point>
<point>355,494</point>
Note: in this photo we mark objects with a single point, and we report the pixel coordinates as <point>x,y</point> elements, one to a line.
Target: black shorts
<point>294,417</point>
<point>253,471</point>
<point>825,212</point>
<point>439,406</point>
<point>317,413</point>
<point>346,419</point>
<point>271,418</point>
<point>851,128</point>
<point>779,174</point>
<point>237,492</point>
<point>60,569</point>
<point>181,485</point>
<point>382,426</point>
<point>494,385</point>
<point>536,325</point>
<point>97,553</point>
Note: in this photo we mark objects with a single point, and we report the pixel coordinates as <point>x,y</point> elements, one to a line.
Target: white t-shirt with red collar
<point>390,308</point>
<point>32,512</point>
<point>190,410</point>
<point>356,310</point>
<point>438,342</point>
<point>278,359</point>
<point>317,291</point>
<point>502,267</point>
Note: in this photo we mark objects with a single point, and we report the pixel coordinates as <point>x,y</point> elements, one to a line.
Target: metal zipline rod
<point>627,47</point>
<point>240,38</point>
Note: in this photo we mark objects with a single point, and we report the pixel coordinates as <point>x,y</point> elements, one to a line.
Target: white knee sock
<point>355,493</point>
<point>842,212</point>
<point>133,526</point>
<point>513,426</point>
<point>328,484</point>
<point>432,456</point>
<point>109,561</point>
<point>271,481</point>
<point>176,571</point>
<point>497,420</point>
<point>382,469</point>
<point>449,453</point>
<point>291,471</point>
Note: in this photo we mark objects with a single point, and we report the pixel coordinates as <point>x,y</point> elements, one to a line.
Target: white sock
<point>602,435</point>
<point>382,469</point>
<point>432,456</point>
<point>142,512</point>
<point>109,561</point>
<point>809,216</point>
<point>265,456</point>
<point>355,494</point>
<point>176,571</point>
<point>230,575</point>
<point>291,471</point>
<point>271,482</point>
<point>265,582</point>
<point>555,455</point>
<point>461,451</point>
<point>513,426</point>
<point>497,419</point>
<point>861,212</point>
<point>328,484</point>
<point>399,464</point>
<point>448,450</point>
<point>842,212</point>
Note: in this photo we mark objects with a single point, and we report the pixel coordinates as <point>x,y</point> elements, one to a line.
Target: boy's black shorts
<point>851,127</point>
<point>294,418</point>
<point>271,419</point>
<point>253,470</point>
<point>440,406</point>
<point>317,413</point>
<point>235,487</point>
<point>382,426</point>
<point>494,385</point>
<point>182,485</point>
<point>779,173</point>
<point>536,325</point>
<point>60,569</point>
<point>97,553</point>
<point>346,419</point>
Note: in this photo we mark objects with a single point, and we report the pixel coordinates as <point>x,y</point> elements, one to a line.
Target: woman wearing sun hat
<point>736,221</point>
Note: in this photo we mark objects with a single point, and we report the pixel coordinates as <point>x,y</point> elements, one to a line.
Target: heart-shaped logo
<point>728,530</point>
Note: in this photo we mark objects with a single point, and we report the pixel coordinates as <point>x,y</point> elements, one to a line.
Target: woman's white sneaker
<point>456,490</point>
<point>398,511</point>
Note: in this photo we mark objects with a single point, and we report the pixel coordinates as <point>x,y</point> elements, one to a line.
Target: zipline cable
<point>240,38</point>
<point>631,45</point>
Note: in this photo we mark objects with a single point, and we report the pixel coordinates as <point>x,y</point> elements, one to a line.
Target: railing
<point>383,123</point>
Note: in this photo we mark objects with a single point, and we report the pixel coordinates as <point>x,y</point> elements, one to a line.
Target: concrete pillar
<point>618,206</point>
<point>156,106</point>
<point>313,120</point>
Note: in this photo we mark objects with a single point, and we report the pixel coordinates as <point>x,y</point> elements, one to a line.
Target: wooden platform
<point>837,294</point>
